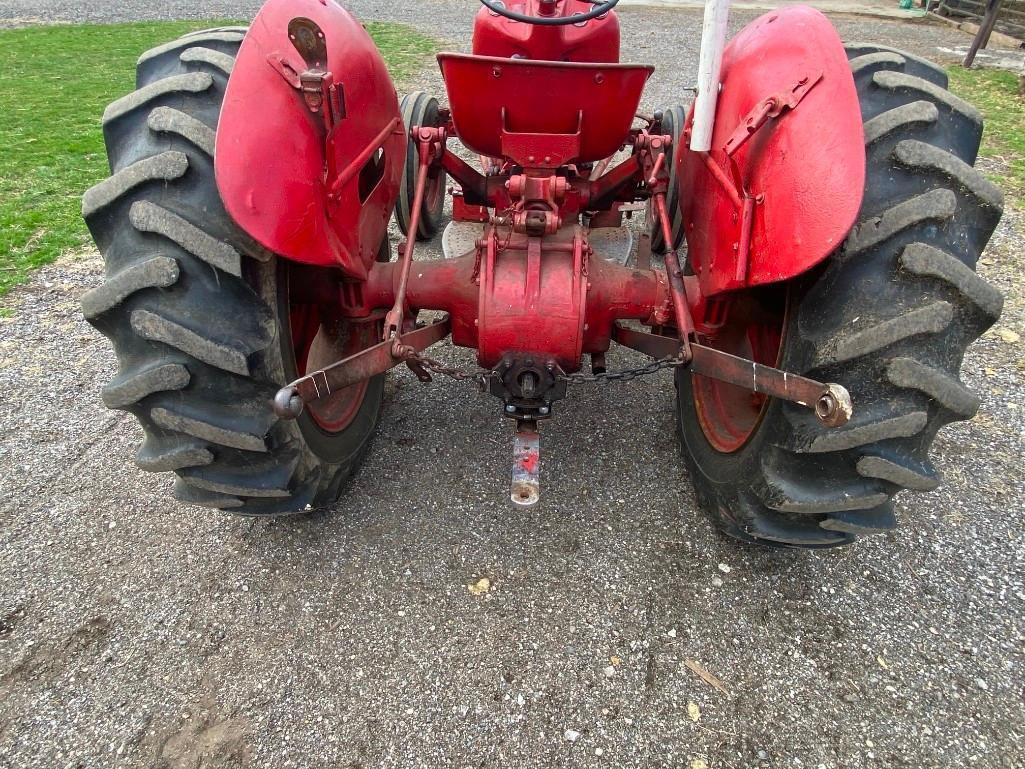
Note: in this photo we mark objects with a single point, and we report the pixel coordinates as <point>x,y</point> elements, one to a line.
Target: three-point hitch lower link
<point>381,357</point>
<point>830,402</point>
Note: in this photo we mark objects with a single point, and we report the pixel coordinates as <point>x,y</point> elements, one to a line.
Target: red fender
<point>303,192</point>
<point>803,171</point>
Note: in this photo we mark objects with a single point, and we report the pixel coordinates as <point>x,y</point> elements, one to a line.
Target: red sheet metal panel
<point>594,40</point>
<point>805,168</point>
<point>547,104</point>
<point>310,195</point>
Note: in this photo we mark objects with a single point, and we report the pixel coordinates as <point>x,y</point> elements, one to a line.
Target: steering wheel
<point>600,9</point>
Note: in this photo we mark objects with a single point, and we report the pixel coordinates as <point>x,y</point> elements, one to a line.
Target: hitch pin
<point>526,488</point>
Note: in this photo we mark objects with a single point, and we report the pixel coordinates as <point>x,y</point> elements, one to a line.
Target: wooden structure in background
<point>1009,19</point>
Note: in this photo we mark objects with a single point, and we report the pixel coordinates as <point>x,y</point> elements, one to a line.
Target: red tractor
<point>825,196</point>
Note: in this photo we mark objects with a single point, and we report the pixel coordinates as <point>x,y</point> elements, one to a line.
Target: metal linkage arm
<point>831,402</point>
<point>430,146</point>
<point>385,355</point>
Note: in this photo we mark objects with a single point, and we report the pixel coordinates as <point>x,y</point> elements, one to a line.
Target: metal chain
<point>622,376</point>
<point>481,376</point>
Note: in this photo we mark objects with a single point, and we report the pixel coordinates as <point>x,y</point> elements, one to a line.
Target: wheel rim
<point>319,338</point>
<point>729,416</point>
<point>434,194</point>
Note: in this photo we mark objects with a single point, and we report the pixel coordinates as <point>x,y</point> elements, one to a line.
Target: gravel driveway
<point>138,632</point>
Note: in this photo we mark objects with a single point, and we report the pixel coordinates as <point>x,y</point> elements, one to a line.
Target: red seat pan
<point>502,106</point>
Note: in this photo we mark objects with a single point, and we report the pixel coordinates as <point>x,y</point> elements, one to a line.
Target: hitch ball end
<point>834,408</point>
<point>287,403</point>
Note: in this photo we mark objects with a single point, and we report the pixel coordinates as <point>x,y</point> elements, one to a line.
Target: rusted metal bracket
<point>290,399</point>
<point>771,107</point>
<point>322,95</point>
<point>830,402</point>
<point>526,486</point>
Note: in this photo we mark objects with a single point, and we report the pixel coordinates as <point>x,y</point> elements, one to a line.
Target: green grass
<point>995,93</point>
<point>54,84</point>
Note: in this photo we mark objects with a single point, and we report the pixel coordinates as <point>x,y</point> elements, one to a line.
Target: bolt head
<point>510,409</point>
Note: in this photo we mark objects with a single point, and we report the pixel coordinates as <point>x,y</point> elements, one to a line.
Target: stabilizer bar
<point>830,402</point>
<point>289,400</point>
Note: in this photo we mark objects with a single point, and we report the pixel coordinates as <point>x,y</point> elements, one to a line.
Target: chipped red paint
<point>531,461</point>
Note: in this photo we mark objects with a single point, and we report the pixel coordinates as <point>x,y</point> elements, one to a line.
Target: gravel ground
<point>135,631</point>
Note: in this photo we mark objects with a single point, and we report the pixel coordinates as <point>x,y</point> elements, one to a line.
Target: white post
<point>713,41</point>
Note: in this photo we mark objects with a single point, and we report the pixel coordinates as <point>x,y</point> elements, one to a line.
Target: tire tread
<point>185,301</point>
<point>888,316</point>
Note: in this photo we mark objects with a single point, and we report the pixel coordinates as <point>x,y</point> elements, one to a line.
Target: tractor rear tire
<point>419,109</point>
<point>198,313</point>
<point>889,316</point>
<point>673,121</point>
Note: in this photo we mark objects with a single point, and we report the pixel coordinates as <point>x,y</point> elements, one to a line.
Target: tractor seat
<point>542,114</point>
